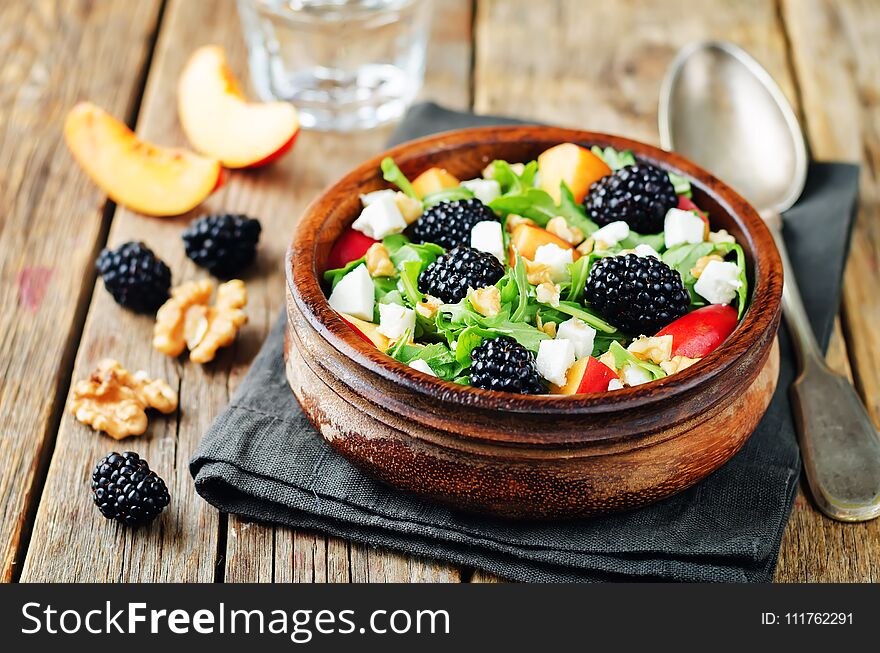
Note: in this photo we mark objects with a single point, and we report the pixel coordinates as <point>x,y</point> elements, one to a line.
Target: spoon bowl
<point>722,110</point>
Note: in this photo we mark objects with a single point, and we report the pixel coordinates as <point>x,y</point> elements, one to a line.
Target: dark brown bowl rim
<point>759,318</point>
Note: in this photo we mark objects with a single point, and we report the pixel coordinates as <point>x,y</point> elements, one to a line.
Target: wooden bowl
<point>539,456</point>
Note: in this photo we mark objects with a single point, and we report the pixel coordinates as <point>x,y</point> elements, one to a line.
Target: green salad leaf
<point>614,159</point>
<point>510,182</point>
<point>536,204</point>
<point>437,355</point>
<point>623,357</point>
<point>522,287</point>
<point>335,275</point>
<point>409,281</point>
<point>657,241</point>
<point>393,175</point>
<point>683,258</point>
<point>681,184</point>
<point>447,195</point>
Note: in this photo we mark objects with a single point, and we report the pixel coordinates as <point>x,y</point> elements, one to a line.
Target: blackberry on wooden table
<point>222,244</point>
<point>134,276</point>
<point>127,490</point>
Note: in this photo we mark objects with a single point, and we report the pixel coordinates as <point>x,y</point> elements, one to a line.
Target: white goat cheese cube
<point>646,250</point>
<point>611,234</point>
<point>369,198</point>
<point>554,359</point>
<point>486,237</point>
<point>719,282</point>
<point>354,294</point>
<point>635,375</point>
<point>484,190</point>
<point>681,227</point>
<point>615,384</point>
<point>557,259</point>
<point>395,320</point>
<point>580,333</point>
<point>380,218</point>
<point>422,366</point>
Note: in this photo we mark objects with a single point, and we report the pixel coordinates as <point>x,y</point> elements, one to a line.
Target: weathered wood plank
<point>833,47</point>
<point>309,557</point>
<point>52,219</point>
<point>590,77</point>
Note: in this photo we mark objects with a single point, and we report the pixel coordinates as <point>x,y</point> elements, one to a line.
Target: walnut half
<point>115,401</point>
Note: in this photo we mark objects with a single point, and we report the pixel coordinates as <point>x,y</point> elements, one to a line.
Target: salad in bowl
<point>582,271</point>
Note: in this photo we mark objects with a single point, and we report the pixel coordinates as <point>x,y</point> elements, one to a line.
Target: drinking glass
<point>344,64</point>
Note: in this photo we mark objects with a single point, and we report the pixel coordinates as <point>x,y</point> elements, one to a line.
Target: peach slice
<point>527,238</point>
<point>433,180</point>
<point>146,178</point>
<point>219,121</point>
<point>573,164</point>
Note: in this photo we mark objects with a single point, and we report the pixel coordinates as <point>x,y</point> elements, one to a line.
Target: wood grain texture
<point>839,80</point>
<point>52,218</point>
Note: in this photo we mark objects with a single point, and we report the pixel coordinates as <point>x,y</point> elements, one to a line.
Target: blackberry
<point>639,194</point>
<point>222,244</point>
<point>134,276</point>
<point>449,224</point>
<point>638,294</point>
<point>503,364</point>
<point>127,490</point>
<point>450,276</point>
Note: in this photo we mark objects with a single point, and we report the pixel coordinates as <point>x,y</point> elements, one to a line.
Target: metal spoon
<point>721,109</point>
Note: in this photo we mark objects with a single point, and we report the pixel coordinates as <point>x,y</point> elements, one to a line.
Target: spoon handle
<point>839,443</point>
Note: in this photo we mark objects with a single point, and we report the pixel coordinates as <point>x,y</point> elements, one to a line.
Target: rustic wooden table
<point>580,63</point>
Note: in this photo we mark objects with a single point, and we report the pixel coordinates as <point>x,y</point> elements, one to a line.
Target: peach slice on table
<point>433,180</point>
<point>219,120</point>
<point>146,178</point>
<point>573,164</point>
<point>527,238</point>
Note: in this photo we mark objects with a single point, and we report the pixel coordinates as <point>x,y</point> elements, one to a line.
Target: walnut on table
<point>187,321</point>
<point>115,401</point>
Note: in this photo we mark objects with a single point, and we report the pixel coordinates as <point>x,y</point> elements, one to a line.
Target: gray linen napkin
<point>262,460</point>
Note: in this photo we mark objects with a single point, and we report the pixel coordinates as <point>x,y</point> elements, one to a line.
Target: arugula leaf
<point>437,355</point>
<point>394,242</point>
<point>400,349</point>
<point>657,241</point>
<point>409,281</point>
<point>623,357</point>
<point>335,275</point>
<point>467,340</point>
<point>525,334</point>
<point>579,271</point>
<point>447,195</point>
<point>578,311</point>
<point>392,174</point>
<point>537,205</point>
<point>681,184</point>
<point>602,342</point>
<point>425,253</point>
<point>522,285</point>
<point>683,258</point>
<point>614,159</point>
<point>510,182</point>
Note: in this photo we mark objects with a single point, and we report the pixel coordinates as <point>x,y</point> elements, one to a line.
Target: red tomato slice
<point>350,246</point>
<point>596,377</point>
<point>701,331</point>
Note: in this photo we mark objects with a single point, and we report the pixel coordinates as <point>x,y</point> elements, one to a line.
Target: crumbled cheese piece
<point>354,294</point>
<point>484,190</point>
<point>680,227</point>
<point>719,282</point>
<point>634,375</point>
<point>611,234</point>
<point>701,264</point>
<point>580,333</point>
<point>380,218</point>
<point>644,250</point>
<point>721,236</point>
<point>486,236</point>
<point>554,359</point>
<point>615,384</point>
<point>395,320</point>
<point>557,259</point>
